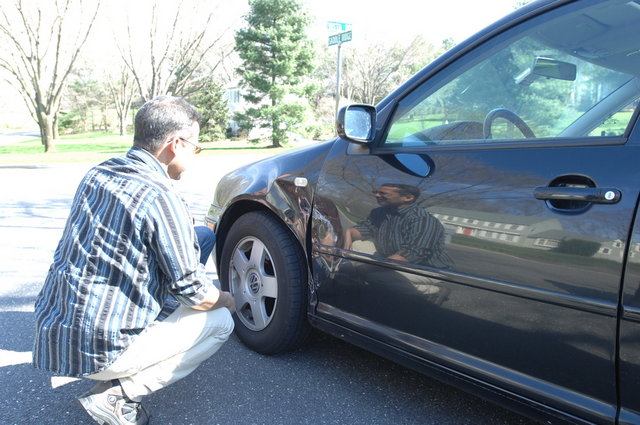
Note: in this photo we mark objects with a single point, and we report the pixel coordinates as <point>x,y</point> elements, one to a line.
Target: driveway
<point>8,137</point>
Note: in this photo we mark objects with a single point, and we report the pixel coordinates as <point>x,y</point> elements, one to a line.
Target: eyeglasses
<point>196,149</point>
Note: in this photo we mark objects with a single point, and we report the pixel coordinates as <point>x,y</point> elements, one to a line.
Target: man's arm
<point>397,257</point>
<point>173,241</point>
<point>350,236</point>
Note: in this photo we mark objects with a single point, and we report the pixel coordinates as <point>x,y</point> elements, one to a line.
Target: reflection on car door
<point>515,273</point>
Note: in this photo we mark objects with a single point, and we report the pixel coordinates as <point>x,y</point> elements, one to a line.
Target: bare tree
<point>122,89</point>
<point>372,74</point>
<point>175,56</point>
<point>42,41</point>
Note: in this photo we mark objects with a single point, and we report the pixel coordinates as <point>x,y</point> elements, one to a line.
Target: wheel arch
<point>241,207</point>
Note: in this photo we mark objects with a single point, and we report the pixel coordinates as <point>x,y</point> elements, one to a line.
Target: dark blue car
<point>478,225</point>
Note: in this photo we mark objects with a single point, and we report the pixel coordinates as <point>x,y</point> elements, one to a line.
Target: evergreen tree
<point>213,107</point>
<point>276,54</point>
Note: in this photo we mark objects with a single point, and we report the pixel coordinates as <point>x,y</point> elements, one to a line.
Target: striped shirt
<point>128,252</point>
<point>411,232</point>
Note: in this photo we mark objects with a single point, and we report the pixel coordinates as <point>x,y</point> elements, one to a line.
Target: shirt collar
<point>145,157</point>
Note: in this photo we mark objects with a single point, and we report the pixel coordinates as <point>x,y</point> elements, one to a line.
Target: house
<point>545,233</point>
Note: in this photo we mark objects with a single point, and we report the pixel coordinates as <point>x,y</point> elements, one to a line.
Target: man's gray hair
<point>159,117</point>
<point>404,189</point>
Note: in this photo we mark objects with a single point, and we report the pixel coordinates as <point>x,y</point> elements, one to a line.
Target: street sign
<point>334,27</point>
<point>343,37</point>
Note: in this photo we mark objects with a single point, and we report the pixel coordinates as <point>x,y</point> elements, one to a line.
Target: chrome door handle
<point>596,195</point>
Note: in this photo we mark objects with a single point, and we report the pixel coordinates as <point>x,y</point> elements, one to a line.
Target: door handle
<point>595,195</point>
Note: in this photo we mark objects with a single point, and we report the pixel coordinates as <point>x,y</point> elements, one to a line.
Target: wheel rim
<point>253,283</point>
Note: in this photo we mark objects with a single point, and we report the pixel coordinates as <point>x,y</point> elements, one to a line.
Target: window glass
<point>571,76</point>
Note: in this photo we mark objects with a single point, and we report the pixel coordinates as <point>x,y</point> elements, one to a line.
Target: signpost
<point>343,35</point>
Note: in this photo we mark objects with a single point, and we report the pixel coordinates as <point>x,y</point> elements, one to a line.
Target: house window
<point>511,238</point>
<point>547,243</point>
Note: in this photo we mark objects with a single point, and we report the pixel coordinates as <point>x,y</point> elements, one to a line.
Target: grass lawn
<point>98,147</point>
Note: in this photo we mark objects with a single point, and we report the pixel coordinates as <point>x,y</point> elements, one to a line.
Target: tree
<point>122,91</point>
<point>276,55</point>
<point>42,41</point>
<point>84,94</point>
<point>371,74</point>
<point>213,106</point>
<point>321,94</point>
<point>176,52</point>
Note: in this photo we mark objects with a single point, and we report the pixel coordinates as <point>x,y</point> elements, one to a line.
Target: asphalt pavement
<point>326,382</point>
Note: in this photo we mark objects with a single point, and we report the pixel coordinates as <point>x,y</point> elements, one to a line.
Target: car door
<point>515,168</point>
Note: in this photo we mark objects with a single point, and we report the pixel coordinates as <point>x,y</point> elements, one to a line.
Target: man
<point>126,301</point>
<point>401,230</point>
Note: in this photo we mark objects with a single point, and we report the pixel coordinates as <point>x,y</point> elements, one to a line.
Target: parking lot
<point>326,382</point>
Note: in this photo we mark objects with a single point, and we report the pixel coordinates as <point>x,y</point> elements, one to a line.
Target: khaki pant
<point>169,350</point>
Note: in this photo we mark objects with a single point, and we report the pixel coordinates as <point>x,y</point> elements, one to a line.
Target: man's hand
<point>226,300</point>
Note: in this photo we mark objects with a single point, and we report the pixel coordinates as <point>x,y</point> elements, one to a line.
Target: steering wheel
<point>509,116</point>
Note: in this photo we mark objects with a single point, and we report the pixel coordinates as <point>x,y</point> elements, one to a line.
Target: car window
<point>572,76</point>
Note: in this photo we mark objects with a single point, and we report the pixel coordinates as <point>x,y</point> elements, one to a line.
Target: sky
<point>394,21</point>
<point>402,20</point>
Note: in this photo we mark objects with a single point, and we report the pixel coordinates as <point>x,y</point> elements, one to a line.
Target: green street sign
<point>343,37</point>
<point>333,26</point>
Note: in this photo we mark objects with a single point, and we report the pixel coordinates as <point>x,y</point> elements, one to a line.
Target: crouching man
<point>126,301</point>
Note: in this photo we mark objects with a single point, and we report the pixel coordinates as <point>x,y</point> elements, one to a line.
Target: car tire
<point>263,267</point>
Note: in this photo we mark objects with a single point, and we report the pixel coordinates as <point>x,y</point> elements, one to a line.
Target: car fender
<point>283,185</point>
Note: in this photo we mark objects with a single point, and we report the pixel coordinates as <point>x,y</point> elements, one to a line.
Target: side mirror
<point>356,123</point>
<point>547,68</point>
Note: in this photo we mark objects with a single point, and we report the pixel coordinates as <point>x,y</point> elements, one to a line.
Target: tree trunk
<point>123,123</point>
<point>275,123</point>
<point>54,128</point>
<point>45,123</point>
<point>275,134</point>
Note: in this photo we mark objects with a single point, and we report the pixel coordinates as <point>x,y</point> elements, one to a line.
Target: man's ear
<point>168,151</point>
<point>173,144</point>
